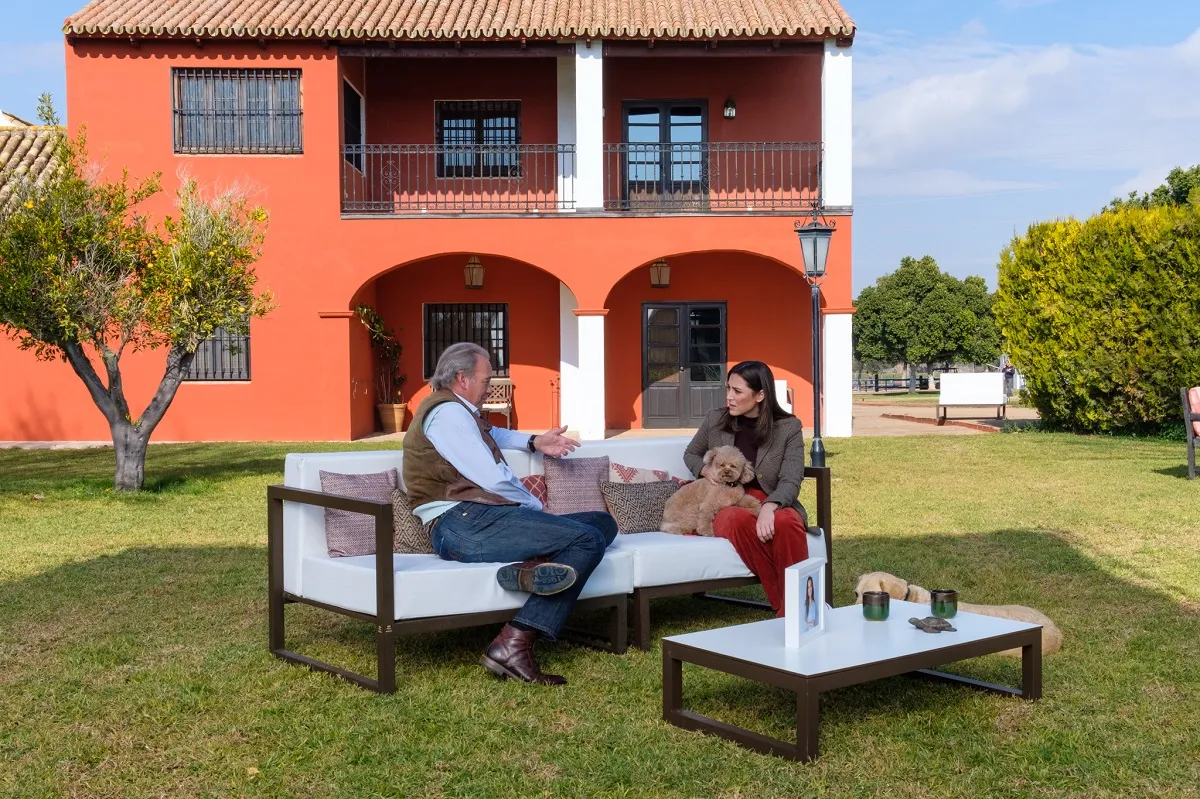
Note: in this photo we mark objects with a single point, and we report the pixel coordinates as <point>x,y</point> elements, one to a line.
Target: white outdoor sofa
<point>406,594</point>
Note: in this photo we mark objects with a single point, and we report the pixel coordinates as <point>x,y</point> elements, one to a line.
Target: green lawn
<point>133,659</point>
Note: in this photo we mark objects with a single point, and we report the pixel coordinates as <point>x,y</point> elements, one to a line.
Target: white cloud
<point>936,182</point>
<point>979,116</point>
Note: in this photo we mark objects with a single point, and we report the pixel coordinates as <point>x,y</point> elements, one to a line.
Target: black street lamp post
<point>814,246</point>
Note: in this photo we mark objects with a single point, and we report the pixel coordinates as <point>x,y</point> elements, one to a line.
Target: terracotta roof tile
<point>462,19</point>
<point>25,152</point>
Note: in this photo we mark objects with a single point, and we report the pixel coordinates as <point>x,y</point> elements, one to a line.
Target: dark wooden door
<point>683,362</point>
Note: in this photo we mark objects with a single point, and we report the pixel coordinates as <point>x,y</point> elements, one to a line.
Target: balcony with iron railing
<point>706,177</point>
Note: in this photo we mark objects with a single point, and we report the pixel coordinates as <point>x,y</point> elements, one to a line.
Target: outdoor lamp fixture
<point>473,273</point>
<point>814,246</point>
<point>660,274</point>
<point>730,109</point>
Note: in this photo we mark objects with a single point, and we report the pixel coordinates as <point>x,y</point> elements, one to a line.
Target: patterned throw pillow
<point>347,533</point>
<point>536,484</point>
<point>638,507</point>
<point>408,534</point>
<point>573,484</point>
<point>632,474</point>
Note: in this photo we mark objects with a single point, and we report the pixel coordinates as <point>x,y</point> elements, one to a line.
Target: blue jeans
<point>471,532</point>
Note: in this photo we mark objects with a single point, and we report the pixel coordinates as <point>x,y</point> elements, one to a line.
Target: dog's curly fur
<point>692,508</point>
<point>1052,638</point>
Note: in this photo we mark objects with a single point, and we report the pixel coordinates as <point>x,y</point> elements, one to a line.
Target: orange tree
<point>86,277</point>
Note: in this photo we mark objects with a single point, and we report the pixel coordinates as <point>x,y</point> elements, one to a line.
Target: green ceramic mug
<point>943,603</point>
<point>875,605</point>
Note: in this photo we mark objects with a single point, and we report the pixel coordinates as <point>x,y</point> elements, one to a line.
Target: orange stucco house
<point>573,150</point>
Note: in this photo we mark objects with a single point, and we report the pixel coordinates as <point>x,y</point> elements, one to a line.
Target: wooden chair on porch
<point>1191,421</point>
<point>500,399</point>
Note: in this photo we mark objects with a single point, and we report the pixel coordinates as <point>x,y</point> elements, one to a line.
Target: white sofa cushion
<point>304,525</point>
<point>426,585</point>
<point>666,559</point>
<point>645,453</point>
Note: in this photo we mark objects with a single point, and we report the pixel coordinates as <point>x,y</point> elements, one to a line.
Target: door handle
<point>681,368</point>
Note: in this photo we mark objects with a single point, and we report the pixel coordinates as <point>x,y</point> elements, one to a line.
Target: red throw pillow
<point>536,484</point>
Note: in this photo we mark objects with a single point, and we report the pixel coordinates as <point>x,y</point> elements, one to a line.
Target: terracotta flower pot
<point>391,414</point>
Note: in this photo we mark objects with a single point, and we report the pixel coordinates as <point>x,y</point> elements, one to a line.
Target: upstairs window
<point>485,324</point>
<point>237,110</point>
<point>222,357</point>
<point>479,139</point>
<point>354,125</point>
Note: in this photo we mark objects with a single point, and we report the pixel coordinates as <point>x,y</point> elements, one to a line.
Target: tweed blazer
<point>779,466</point>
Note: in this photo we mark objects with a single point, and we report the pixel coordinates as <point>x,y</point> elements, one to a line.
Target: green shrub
<point>1103,317</point>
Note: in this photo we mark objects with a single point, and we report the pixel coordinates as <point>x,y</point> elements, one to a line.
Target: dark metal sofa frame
<point>701,588</point>
<point>1190,416</point>
<point>386,628</point>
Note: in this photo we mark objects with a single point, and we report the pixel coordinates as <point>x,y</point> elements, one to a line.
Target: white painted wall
<point>837,378</point>
<point>568,364</point>
<point>589,124</point>
<point>591,378</point>
<point>566,135</point>
<point>837,88</point>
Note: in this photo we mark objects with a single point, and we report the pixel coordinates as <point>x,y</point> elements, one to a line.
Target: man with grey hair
<point>477,511</point>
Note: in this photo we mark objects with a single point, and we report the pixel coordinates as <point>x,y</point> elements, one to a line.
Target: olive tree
<point>86,277</point>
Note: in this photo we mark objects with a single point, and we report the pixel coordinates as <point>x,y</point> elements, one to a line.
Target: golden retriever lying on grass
<point>692,508</point>
<point>898,589</point>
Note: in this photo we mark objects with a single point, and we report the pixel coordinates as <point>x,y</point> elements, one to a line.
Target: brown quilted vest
<point>428,477</point>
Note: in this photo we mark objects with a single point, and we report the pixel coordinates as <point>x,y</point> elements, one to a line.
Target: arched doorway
<point>672,344</point>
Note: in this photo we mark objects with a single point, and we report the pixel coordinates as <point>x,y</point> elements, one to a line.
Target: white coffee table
<point>852,651</point>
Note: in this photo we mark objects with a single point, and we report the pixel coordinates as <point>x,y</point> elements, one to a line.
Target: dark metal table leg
<point>808,721</point>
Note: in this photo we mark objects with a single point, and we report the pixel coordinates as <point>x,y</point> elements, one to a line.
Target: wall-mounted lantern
<point>660,274</point>
<point>730,108</point>
<point>473,273</point>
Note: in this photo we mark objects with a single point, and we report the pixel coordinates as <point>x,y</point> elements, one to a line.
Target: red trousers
<point>767,560</point>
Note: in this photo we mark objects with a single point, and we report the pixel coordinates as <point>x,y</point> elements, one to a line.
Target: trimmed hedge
<point>1103,317</point>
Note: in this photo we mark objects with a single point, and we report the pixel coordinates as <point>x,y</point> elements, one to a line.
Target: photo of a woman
<point>810,605</point>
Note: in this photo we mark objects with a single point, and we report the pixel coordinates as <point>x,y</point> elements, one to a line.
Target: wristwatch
<point>532,448</point>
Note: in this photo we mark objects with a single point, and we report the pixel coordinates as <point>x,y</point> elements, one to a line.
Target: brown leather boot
<point>511,655</point>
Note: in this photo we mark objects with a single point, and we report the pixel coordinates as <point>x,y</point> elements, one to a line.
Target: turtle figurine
<point>932,624</point>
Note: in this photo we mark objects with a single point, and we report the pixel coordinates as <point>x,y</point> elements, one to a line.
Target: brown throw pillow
<point>573,484</point>
<point>347,533</point>
<point>410,537</point>
<point>638,507</point>
<point>536,484</point>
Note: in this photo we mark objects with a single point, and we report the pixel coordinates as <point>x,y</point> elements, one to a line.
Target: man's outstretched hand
<point>554,443</point>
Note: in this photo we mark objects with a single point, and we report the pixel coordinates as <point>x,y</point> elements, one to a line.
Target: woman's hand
<point>766,521</point>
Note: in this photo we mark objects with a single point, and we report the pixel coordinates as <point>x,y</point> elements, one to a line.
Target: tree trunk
<point>129,442</point>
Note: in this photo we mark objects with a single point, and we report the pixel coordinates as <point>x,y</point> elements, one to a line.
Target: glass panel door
<point>666,162</point>
<point>683,363</point>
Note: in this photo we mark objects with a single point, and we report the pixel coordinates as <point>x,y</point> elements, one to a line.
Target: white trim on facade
<point>568,363</point>
<point>837,129</point>
<point>566,134</point>
<point>589,124</point>
<point>837,379</point>
<point>590,397</point>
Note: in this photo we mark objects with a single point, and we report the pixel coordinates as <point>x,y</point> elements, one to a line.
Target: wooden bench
<point>983,389</point>
<point>1191,421</point>
<point>500,399</point>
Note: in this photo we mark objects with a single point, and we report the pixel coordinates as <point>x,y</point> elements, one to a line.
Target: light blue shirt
<point>455,434</point>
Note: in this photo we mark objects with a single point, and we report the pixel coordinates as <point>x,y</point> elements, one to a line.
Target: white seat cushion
<point>426,585</point>
<point>666,559</point>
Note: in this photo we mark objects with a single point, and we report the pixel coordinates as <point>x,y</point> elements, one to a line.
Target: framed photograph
<point>804,599</point>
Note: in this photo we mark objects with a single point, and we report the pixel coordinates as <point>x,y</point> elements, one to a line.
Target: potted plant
<point>389,379</point>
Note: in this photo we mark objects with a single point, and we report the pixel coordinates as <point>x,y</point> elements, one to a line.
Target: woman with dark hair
<point>773,441</point>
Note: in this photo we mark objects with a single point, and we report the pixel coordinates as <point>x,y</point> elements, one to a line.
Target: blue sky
<point>973,118</point>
